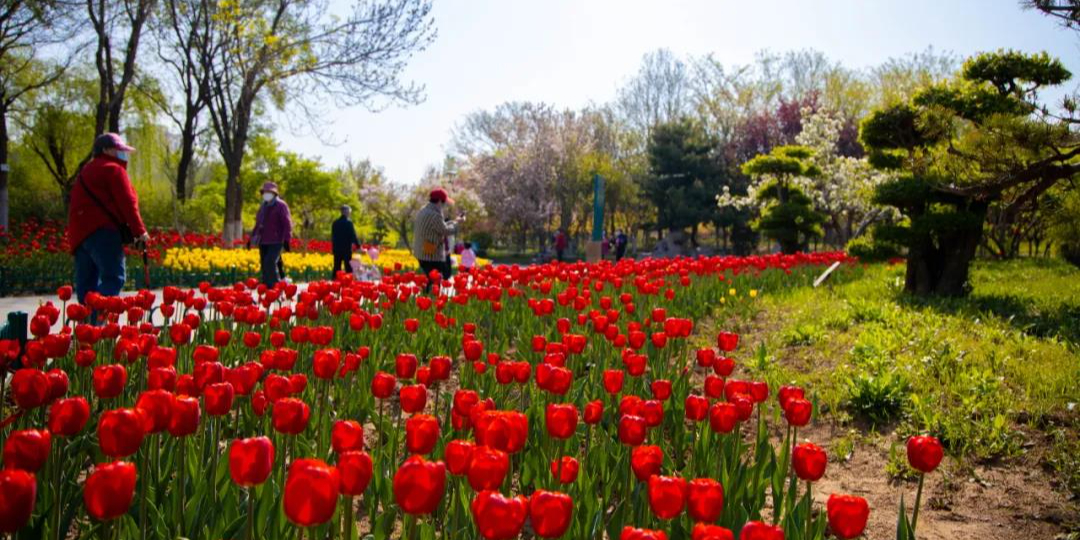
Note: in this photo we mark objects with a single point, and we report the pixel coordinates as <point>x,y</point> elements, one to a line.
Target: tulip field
<point>577,401</point>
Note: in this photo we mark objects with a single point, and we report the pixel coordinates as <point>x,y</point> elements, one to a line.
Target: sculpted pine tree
<point>960,147</point>
<point>787,213</point>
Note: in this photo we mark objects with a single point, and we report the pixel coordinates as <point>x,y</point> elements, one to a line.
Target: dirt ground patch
<point>1017,498</point>
<point>1008,500</point>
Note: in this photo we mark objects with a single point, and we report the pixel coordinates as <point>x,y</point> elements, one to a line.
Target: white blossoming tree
<point>841,189</point>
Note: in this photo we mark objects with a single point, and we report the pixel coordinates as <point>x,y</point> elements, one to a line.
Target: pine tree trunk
<point>941,267</point>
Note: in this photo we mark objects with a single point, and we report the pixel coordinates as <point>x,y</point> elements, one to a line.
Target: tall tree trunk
<point>187,154</point>
<point>4,169</point>
<point>234,201</point>
<point>941,267</point>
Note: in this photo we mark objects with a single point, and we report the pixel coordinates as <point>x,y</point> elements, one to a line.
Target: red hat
<point>440,195</point>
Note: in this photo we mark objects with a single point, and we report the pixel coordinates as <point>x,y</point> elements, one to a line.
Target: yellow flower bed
<point>247,260</point>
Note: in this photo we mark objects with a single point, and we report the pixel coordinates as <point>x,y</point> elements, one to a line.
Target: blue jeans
<point>269,254</point>
<point>99,264</point>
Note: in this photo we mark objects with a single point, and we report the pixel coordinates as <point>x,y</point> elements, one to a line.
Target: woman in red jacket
<point>102,200</point>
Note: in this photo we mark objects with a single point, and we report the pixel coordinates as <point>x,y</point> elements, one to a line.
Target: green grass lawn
<point>990,374</point>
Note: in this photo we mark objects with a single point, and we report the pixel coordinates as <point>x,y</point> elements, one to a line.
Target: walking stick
<point>146,267</point>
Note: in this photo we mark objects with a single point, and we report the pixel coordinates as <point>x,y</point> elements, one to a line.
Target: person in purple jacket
<point>272,233</point>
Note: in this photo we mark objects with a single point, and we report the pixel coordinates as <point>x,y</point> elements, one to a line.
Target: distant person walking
<point>103,216</point>
<point>272,233</point>
<point>342,240</point>
<point>430,232</point>
<point>560,245</point>
<point>620,245</point>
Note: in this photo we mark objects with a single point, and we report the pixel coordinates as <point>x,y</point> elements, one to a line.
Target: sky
<point>571,53</point>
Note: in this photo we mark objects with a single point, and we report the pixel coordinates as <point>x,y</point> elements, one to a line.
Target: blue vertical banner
<point>598,208</point>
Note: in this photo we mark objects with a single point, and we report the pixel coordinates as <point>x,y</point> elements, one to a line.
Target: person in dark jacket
<point>272,233</point>
<point>93,225</point>
<point>342,240</point>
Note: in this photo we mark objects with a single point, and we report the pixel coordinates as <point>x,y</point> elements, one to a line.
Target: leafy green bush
<point>869,250</point>
<point>878,398</point>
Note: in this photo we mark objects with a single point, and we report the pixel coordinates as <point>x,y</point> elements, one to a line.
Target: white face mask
<point>121,155</point>
<point>268,196</point>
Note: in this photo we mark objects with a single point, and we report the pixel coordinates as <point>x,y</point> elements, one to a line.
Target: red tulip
<point>697,407</point>
<point>714,386</point>
<point>64,292</point>
<point>347,435</point>
<point>550,513</point>
<point>297,383</point>
<point>538,343</point>
<point>413,398</point>
<point>109,489</point>
<point>661,389</point>
<point>68,416</point>
<point>704,531</point>
<point>440,368</point>
<point>632,430</point>
<point>809,460</point>
<point>798,412</point>
<point>659,339</point>
<point>653,412</point>
<point>184,419</point>
<point>251,461</point>
<point>411,325</point>
<point>631,533</point>
<point>498,517</point>
<point>324,364</point>
<point>924,453</point>
<point>787,393</point>
<point>355,470</point>
<point>18,490</point>
<point>565,470</point>
<point>109,380</point>
<point>561,420</point>
<point>382,385</point>
<point>252,339</point>
<point>759,391</point>
<point>219,398</point>
<point>290,416</point>
<point>458,455</point>
<point>594,411</point>
<point>156,407</point>
<point>613,380</point>
<point>27,449</point>
<point>705,499</point>
<point>645,461</point>
<point>120,432</point>
<point>756,530</point>
<point>465,400</point>
<point>419,485</point>
<point>847,515</point>
<point>744,406</point>
<point>473,350</point>
<point>705,357</point>
<point>727,341</point>
<point>405,366</point>
<point>723,417</point>
<point>311,492</point>
<point>30,388</point>
<point>487,468</point>
<point>58,383</point>
<point>180,334</point>
<point>723,366</point>
<point>667,495</point>
<point>421,433</point>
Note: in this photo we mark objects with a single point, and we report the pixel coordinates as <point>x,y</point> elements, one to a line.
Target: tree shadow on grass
<point>1061,322</point>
